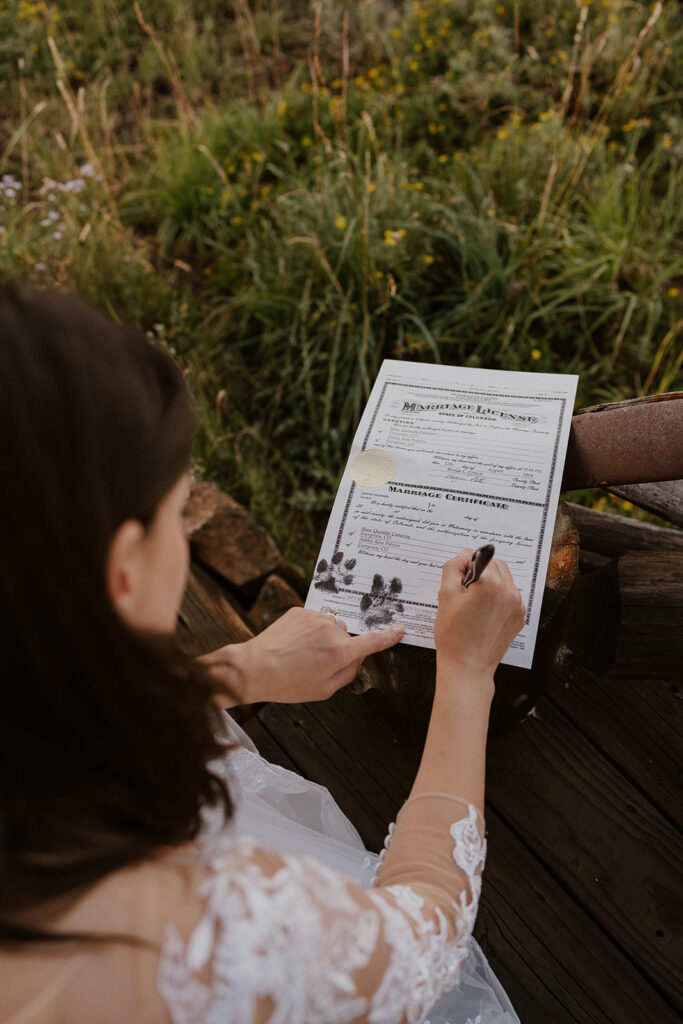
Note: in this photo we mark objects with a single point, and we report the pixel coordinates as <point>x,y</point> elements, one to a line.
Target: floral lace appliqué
<point>426,960</point>
<point>263,937</point>
<point>294,941</point>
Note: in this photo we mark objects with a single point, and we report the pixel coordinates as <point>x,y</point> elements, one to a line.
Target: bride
<point>153,867</point>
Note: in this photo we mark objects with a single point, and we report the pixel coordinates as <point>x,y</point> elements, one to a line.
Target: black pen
<point>480,559</point>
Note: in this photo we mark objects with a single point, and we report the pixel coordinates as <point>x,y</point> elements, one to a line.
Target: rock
<point>274,599</point>
<point>225,537</point>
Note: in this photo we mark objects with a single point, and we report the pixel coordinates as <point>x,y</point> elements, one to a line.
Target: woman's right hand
<point>475,625</point>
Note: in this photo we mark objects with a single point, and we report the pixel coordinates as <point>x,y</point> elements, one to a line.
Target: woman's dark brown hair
<point>105,733</point>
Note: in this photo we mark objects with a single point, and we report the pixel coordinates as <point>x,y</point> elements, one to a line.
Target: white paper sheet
<point>445,457</point>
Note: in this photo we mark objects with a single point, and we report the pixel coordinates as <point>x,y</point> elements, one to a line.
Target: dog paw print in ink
<point>335,573</point>
<point>379,607</point>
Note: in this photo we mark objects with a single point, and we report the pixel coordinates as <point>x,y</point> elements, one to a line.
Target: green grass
<point>287,194</point>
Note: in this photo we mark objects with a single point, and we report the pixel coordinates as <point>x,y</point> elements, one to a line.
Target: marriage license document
<point>445,457</point>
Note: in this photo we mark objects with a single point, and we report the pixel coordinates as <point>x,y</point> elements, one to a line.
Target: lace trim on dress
<point>401,990</point>
<point>272,937</point>
<point>262,937</point>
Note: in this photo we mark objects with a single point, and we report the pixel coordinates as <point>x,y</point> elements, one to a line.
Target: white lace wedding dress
<point>282,917</point>
<point>281,810</point>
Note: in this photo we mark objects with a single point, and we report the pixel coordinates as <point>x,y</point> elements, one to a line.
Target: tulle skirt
<point>283,811</point>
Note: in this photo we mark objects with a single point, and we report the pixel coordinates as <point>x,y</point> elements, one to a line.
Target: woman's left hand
<point>305,655</point>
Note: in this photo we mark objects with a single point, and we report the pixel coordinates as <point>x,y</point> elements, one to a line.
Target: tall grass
<point>287,194</point>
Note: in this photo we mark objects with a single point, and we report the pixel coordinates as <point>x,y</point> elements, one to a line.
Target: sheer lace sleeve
<point>285,940</point>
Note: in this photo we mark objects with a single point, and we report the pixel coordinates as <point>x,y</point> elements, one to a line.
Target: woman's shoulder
<point>181,886</point>
<point>161,920</point>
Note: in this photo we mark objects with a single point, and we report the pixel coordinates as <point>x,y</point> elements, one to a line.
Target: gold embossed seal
<point>373,467</point>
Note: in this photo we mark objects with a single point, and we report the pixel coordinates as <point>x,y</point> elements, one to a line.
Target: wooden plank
<point>554,962</point>
<point>604,842</point>
<point>664,499</point>
<point>637,723</point>
<point>268,746</point>
<point>593,624</point>
<point>207,618</point>
<point>628,616</point>
<point>612,535</point>
<point>372,739</point>
<point>652,579</point>
<point>650,633</point>
<point>323,758</point>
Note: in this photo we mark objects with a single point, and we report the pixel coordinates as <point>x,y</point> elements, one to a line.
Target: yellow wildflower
<point>427,258</point>
<point>442,158</point>
<point>672,292</point>
<point>306,141</point>
<point>502,133</point>
<point>340,223</point>
<point>666,141</point>
<point>546,115</point>
<point>640,122</point>
<point>394,237</point>
<point>536,353</point>
<point>413,65</point>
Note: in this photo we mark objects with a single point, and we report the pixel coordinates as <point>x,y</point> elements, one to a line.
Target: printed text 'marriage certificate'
<point>444,458</point>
